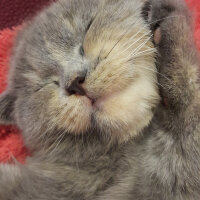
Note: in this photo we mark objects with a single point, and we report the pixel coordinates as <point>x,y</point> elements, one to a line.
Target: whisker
<point>133,36</point>
<point>140,46</point>
<point>149,51</point>
<point>59,139</point>
<point>156,72</point>
<point>160,84</point>
<point>158,20</point>
<point>114,57</point>
<point>136,51</point>
<point>116,44</point>
<point>135,41</point>
<point>140,37</point>
<point>121,39</point>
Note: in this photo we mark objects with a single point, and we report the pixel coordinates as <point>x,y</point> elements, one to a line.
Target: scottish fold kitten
<point>82,84</point>
<point>83,90</point>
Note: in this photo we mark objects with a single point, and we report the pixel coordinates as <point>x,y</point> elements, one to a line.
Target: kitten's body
<point>98,160</point>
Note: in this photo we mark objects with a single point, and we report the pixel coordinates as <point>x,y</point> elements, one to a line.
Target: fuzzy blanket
<point>14,12</point>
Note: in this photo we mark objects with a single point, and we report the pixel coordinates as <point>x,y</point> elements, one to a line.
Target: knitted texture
<point>11,142</point>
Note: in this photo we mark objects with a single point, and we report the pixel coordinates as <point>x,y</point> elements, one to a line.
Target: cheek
<point>72,114</point>
<point>109,78</point>
<point>129,111</point>
<point>48,110</point>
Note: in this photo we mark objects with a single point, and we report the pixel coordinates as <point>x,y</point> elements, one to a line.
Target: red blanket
<point>11,142</point>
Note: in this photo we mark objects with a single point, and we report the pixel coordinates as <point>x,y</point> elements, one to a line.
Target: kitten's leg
<point>178,62</point>
<point>179,117</point>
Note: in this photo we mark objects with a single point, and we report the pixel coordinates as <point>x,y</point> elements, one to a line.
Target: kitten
<point>83,88</point>
<point>82,84</point>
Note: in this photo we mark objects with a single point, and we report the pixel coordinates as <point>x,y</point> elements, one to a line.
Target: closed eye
<point>81,50</point>
<point>89,25</point>
<point>42,86</point>
<point>56,83</point>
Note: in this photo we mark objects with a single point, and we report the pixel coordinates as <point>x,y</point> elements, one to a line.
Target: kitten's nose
<point>76,86</point>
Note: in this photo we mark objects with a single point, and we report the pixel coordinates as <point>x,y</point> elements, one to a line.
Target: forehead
<point>75,15</point>
<point>59,31</point>
<point>68,20</point>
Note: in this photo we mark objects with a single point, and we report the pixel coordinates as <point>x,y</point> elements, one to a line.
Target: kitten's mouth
<point>89,98</point>
<point>92,100</point>
<point>95,103</point>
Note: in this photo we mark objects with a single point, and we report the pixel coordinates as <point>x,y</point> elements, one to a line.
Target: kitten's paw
<point>167,17</point>
<point>162,10</point>
<point>173,35</point>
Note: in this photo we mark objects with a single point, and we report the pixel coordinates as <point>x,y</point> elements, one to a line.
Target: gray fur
<point>162,163</point>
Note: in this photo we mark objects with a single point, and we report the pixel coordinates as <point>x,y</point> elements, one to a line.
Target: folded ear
<point>7,101</point>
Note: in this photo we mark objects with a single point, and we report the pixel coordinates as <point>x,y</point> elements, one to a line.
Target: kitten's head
<point>83,66</point>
